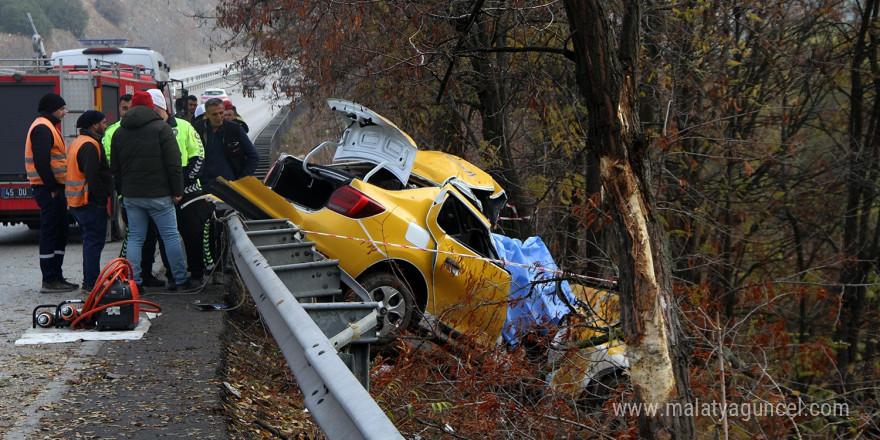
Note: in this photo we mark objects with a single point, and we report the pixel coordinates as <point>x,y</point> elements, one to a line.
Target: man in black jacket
<point>145,160</point>
<point>45,159</point>
<point>229,152</point>
<point>88,189</point>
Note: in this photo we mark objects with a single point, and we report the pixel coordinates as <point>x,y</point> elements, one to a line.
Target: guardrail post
<point>342,408</point>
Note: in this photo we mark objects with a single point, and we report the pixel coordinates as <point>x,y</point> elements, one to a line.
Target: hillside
<point>168,27</point>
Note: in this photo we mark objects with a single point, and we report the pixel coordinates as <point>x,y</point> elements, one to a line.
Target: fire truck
<point>89,78</point>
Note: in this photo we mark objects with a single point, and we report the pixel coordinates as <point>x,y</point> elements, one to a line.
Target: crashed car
<point>413,227</point>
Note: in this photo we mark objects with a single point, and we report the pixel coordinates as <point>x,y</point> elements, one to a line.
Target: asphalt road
<point>51,390</point>
<point>163,385</point>
<point>256,111</point>
<point>26,371</point>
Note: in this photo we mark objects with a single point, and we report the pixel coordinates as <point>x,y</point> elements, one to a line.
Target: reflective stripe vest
<point>188,140</point>
<point>57,156</point>
<point>108,135</point>
<point>77,189</point>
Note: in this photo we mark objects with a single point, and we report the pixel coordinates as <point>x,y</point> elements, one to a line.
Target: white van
<point>114,51</point>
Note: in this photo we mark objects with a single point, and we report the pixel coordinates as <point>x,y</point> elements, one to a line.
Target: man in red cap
<point>230,113</point>
<point>145,160</point>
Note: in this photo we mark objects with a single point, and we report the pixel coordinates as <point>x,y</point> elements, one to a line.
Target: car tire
<point>397,300</point>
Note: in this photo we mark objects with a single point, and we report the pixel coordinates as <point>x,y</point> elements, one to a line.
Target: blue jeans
<point>92,221</point>
<point>54,230</point>
<point>161,210</point>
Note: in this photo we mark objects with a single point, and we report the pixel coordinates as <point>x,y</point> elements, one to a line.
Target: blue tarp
<point>530,304</point>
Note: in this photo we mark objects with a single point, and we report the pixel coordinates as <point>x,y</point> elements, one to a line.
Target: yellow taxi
<point>413,227</point>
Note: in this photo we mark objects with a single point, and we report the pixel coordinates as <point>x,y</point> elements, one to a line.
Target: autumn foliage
<point>761,127</point>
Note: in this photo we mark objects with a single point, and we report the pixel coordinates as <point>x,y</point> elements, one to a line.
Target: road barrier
<point>291,285</point>
<point>204,80</point>
<point>268,142</point>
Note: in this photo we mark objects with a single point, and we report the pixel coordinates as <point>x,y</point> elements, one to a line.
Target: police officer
<point>193,214</point>
<point>124,106</point>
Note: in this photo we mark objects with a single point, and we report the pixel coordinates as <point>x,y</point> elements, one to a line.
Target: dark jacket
<point>145,158</point>
<point>96,170</point>
<point>243,124</point>
<point>229,152</point>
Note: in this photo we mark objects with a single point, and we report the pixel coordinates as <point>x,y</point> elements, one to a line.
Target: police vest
<point>57,155</point>
<point>77,189</point>
<point>108,136</point>
<point>188,141</point>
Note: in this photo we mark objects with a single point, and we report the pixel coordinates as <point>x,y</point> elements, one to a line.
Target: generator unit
<point>122,316</point>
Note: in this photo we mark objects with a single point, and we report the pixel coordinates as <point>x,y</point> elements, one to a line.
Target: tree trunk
<point>494,113</point>
<point>859,245</point>
<point>607,76</point>
<point>595,235</point>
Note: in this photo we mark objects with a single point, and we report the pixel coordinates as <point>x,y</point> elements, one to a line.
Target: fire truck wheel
<point>117,221</point>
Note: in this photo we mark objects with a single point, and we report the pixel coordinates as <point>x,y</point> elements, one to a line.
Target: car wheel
<point>396,298</point>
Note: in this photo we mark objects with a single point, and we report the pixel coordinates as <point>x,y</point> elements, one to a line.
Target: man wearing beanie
<point>88,189</point>
<point>45,159</point>
<point>145,160</point>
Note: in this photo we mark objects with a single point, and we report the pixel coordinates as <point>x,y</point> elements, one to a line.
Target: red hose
<point>118,269</point>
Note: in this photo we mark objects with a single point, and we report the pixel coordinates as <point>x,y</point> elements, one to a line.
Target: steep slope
<point>172,28</point>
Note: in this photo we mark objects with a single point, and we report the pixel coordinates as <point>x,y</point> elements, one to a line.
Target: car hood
<point>441,168</point>
<point>370,137</point>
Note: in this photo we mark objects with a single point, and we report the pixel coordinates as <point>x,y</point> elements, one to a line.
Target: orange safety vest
<point>76,188</point>
<point>57,155</point>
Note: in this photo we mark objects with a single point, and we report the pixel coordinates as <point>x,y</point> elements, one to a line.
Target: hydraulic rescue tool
<point>113,304</point>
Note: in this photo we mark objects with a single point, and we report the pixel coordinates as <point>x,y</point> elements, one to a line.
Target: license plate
<point>17,193</point>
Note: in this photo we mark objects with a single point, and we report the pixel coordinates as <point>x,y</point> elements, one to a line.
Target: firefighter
<point>45,159</point>
<point>88,189</point>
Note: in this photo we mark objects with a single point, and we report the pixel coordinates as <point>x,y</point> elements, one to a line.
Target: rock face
<point>173,29</point>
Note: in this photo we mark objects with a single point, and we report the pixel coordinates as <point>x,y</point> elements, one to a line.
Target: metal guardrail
<point>280,272</point>
<point>268,142</point>
<point>204,80</point>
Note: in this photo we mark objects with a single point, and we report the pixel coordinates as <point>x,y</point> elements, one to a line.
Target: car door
<point>470,290</point>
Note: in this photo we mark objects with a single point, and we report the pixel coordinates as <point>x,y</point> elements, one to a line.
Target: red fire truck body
<point>96,85</point>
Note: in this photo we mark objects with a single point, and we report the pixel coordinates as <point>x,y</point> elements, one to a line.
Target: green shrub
<point>13,18</point>
<point>69,15</point>
<point>111,10</point>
